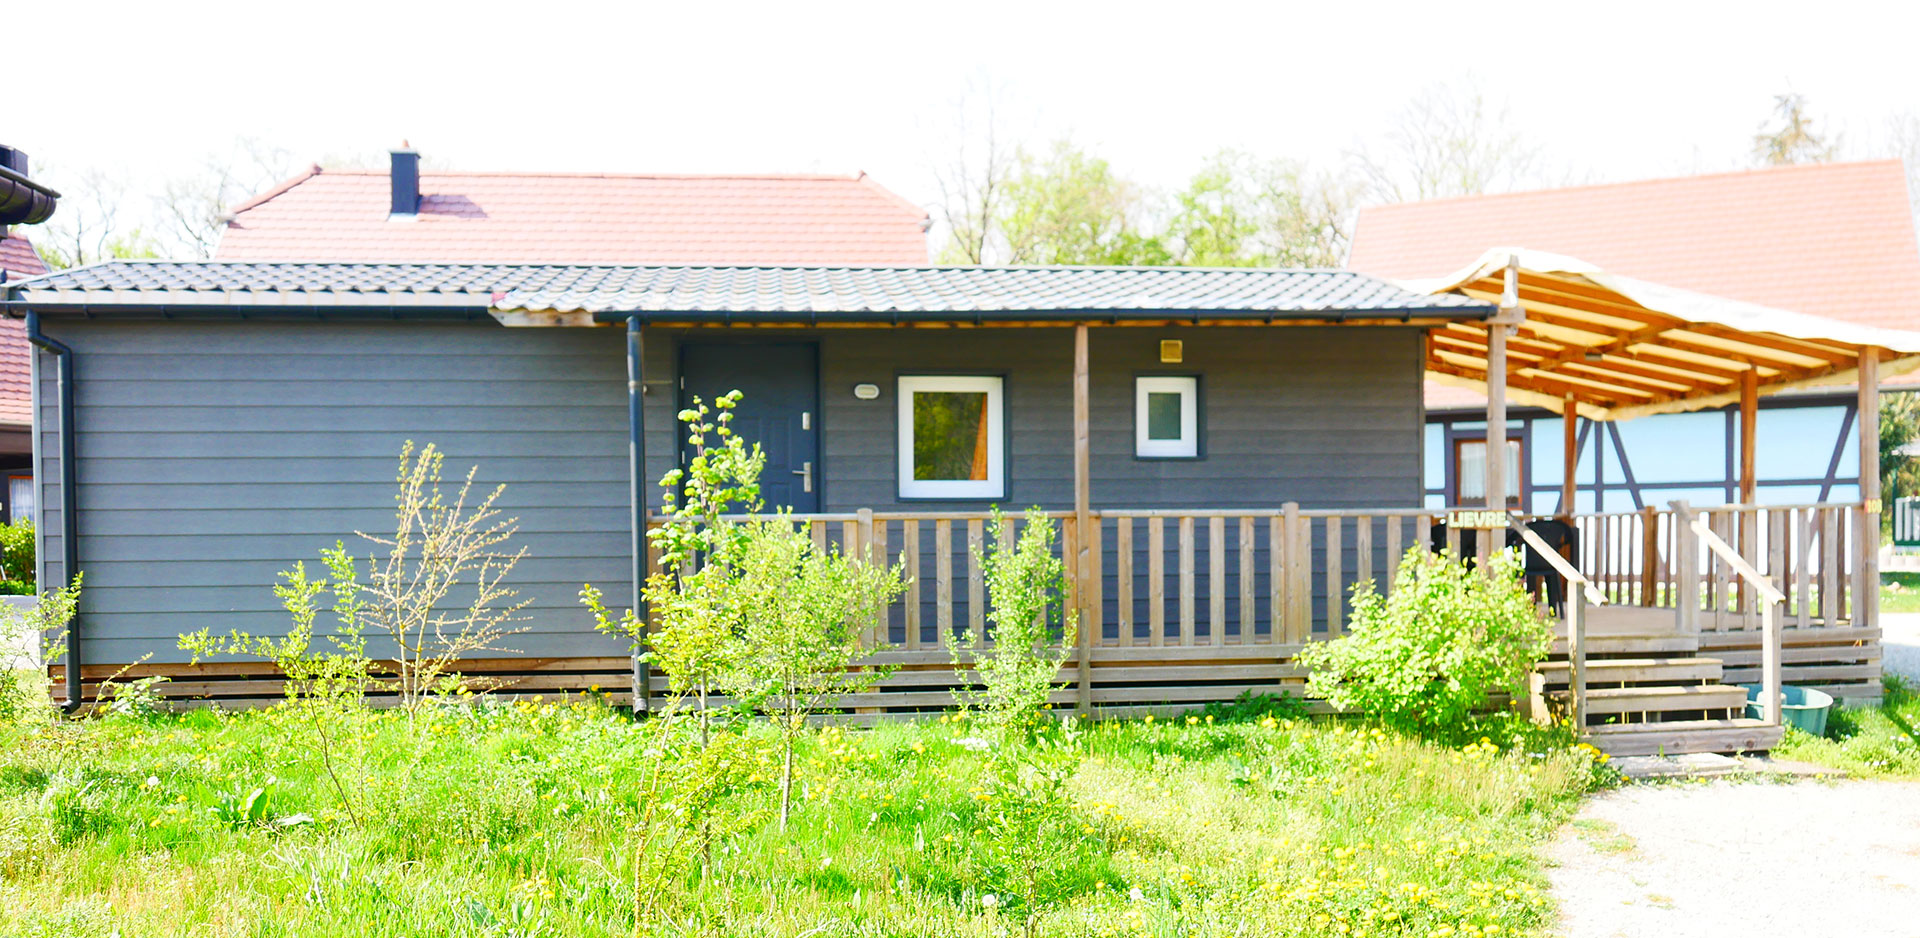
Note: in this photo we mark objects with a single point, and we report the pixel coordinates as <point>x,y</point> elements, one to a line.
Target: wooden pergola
<point>1578,340</point>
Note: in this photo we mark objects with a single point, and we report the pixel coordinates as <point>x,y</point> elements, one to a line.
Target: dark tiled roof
<point>747,291</point>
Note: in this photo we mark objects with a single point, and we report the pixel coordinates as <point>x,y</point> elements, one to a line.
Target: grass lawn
<point>528,820</point>
<point>1899,592</point>
<point>1868,742</point>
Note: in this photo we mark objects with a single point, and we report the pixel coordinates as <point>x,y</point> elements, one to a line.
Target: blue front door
<point>779,409</point>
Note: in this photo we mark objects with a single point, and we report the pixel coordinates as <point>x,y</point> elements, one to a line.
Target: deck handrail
<point>1769,619</point>
<point>1579,590</point>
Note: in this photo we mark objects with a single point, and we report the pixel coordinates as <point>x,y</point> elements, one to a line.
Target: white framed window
<point>1166,417</point>
<point>952,437</point>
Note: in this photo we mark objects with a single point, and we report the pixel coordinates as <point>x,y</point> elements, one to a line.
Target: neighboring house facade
<point>18,260</point>
<point>1832,240</point>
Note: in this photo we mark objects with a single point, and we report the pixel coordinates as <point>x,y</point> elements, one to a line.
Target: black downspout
<point>637,498</point>
<point>69,494</point>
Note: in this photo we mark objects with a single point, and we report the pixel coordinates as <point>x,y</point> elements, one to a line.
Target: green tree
<point>1067,207</point>
<point>1239,211</point>
<point>1788,137</point>
<point>1899,426</point>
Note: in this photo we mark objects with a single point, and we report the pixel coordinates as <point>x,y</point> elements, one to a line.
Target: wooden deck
<point>1181,608</point>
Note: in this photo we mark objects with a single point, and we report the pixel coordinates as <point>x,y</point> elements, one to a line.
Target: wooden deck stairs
<point>1650,691</point>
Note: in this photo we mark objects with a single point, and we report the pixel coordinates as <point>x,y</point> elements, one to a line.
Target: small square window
<point>952,437</point>
<point>1167,417</point>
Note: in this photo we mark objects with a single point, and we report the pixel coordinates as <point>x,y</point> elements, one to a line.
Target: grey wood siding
<point>214,455</point>
<point>1327,417</point>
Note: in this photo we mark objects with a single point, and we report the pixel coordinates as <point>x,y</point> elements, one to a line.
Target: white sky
<point>1608,90</point>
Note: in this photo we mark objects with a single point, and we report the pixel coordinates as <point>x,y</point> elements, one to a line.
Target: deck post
<point>1084,591</point>
<point>1686,570</point>
<point>1570,457</point>
<point>637,498</point>
<point>1509,314</point>
<point>1649,555</point>
<point>1866,599</point>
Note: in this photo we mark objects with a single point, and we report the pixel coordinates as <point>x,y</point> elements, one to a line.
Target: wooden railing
<point>1768,599</point>
<point>1198,578</point>
<point>1654,557</point>
<point>1193,605</point>
<point>1156,578</point>
<point>1580,592</point>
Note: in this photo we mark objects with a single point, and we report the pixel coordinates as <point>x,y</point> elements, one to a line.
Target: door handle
<point>805,472</point>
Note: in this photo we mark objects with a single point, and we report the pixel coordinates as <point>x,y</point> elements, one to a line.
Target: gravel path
<point>1900,636</point>
<point>1743,859</point>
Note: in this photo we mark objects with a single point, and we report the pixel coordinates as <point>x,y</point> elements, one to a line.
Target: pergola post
<point>1749,483</point>
<point>1086,592</point>
<point>1866,598</point>
<point>1509,314</point>
<point>1570,456</point>
<point>1749,422</point>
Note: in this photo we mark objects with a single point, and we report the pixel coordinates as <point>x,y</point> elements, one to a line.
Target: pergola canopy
<point>1626,348</point>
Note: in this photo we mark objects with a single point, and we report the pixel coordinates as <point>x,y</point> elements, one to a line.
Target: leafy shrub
<point>23,690</point>
<point>1430,654</point>
<point>1019,660</point>
<point>325,688</point>
<point>17,555</point>
<point>692,597</point>
<point>1250,707</point>
<point>805,615</point>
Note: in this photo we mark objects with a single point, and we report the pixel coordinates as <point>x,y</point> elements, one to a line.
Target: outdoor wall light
<point>866,392</point>
<point>1171,351</point>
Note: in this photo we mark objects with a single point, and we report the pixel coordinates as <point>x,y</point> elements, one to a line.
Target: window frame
<point>994,486</point>
<point>1191,445</point>
<point>1518,486</point>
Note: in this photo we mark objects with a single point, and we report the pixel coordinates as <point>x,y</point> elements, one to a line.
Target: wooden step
<point>1661,699</point>
<point>1662,643</point>
<point>1637,671</point>
<point>1684,736</point>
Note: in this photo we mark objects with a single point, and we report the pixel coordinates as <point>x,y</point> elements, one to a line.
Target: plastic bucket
<point>1802,708</point>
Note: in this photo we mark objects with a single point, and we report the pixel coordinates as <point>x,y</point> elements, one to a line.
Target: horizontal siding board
<point>296,495</point>
<point>265,469</point>
<point>164,650</point>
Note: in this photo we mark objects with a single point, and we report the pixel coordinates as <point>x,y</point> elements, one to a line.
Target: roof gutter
<point>1465,313</point>
<point>69,493</point>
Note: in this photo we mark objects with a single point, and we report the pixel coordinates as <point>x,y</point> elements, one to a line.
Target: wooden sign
<point>1478,520</point>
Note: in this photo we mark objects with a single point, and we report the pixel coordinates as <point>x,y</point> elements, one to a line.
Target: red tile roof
<point>1833,239</point>
<point>331,215</point>
<point>18,259</point>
